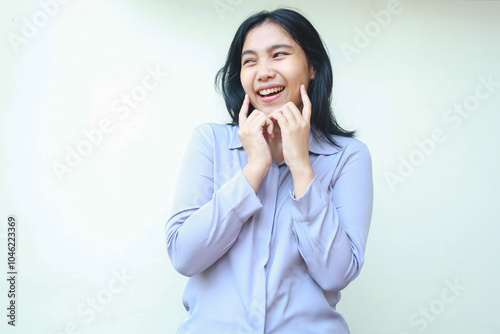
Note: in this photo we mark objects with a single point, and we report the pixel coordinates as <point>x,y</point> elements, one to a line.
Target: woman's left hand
<point>295,127</point>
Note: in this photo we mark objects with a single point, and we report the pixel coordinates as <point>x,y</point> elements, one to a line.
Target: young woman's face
<point>273,66</point>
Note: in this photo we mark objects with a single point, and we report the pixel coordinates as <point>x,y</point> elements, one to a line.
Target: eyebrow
<point>269,49</point>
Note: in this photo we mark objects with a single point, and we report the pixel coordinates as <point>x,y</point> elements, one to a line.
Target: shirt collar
<point>321,146</point>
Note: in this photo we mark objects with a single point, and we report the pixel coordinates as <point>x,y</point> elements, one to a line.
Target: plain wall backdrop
<point>97,99</point>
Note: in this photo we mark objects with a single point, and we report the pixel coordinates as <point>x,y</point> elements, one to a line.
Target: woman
<point>270,214</point>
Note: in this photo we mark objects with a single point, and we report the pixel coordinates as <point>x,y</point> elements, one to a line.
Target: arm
<point>204,223</point>
<point>332,226</point>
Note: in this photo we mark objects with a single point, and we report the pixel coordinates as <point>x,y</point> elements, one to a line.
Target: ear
<point>312,70</point>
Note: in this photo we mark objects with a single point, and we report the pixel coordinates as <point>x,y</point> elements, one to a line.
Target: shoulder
<point>213,132</point>
<point>349,143</point>
<point>216,129</point>
<point>349,146</point>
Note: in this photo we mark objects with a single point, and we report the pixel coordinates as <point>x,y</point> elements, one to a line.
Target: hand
<point>295,127</point>
<point>254,134</point>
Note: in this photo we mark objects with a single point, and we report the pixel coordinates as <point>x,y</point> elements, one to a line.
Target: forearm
<point>331,258</point>
<point>197,237</point>
<point>331,221</point>
<point>255,175</point>
<point>301,178</point>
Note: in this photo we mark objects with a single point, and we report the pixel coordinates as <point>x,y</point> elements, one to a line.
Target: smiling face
<point>273,66</point>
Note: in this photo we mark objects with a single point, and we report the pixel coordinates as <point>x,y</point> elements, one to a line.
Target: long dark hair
<point>227,80</point>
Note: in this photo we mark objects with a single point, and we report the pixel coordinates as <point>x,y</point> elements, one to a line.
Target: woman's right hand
<point>254,133</point>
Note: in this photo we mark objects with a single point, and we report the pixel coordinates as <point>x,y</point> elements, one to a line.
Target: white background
<point>435,226</point>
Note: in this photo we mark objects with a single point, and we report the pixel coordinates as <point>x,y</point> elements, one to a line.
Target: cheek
<point>243,78</point>
<point>296,98</point>
<point>246,83</point>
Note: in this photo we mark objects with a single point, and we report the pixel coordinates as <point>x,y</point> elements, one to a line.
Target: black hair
<point>228,81</point>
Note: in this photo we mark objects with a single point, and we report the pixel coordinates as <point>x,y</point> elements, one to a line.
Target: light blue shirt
<point>267,262</point>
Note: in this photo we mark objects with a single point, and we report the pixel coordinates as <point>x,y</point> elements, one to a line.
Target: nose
<point>265,71</point>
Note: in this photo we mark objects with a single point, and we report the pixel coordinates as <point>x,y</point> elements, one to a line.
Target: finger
<point>282,121</point>
<point>270,127</point>
<point>272,116</point>
<point>262,121</point>
<point>243,115</point>
<point>292,113</point>
<point>258,121</point>
<point>306,104</point>
<point>273,126</point>
<point>275,122</point>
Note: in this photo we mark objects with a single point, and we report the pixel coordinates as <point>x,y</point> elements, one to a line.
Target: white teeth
<point>265,92</point>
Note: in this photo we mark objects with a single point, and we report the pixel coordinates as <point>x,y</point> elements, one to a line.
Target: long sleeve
<point>205,220</point>
<point>266,257</point>
<point>331,226</point>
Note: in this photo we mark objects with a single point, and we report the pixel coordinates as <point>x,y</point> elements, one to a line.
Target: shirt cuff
<point>311,203</point>
<point>241,197</point>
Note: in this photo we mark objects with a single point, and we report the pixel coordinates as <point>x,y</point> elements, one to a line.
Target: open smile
<point>270,94</point>
<point>270,91</point>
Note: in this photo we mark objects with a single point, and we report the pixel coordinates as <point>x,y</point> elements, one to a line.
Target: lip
<point>268,86</point>
<point>272,97</point>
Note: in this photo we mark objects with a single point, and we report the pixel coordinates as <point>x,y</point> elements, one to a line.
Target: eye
<point>279,54</point>
<point>248,61</point>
